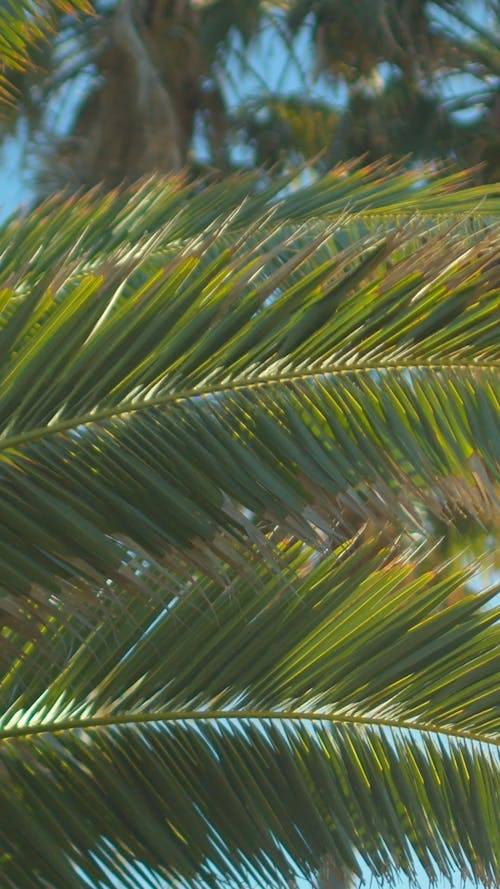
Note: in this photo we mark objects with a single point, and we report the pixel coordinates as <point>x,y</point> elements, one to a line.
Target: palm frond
<point>90,225</point>
<point>196,739</point>
<point>24,23</point>
<point>205,389</point>
<point>182,367</point>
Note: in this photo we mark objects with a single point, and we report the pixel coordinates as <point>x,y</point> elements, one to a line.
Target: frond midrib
<point>113,720</point>
<point>206,391</point>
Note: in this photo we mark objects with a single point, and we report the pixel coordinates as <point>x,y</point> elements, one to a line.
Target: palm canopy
<point>347,79</point>
<point>233,418</point>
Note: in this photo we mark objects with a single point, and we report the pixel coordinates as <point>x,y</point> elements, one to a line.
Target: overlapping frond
<point>323,711</point>
<point>183,376</point>
<point>206,391</point>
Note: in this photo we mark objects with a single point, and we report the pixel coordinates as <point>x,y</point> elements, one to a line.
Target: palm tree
<point>249,441</point>
<point>400,61</point>
<point>143,84</point>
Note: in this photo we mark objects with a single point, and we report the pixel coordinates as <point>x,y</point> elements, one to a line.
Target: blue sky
<point>14,188</point>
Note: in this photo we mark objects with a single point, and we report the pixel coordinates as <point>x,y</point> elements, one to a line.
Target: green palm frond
<point>206,391</point>
<point>337,709</point>
<point>177,375</point>
<point>24,23</point>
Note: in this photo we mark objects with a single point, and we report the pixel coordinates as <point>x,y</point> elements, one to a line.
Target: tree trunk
<point>140,119</point>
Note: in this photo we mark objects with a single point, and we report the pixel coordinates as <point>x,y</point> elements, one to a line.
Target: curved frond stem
<point>258,716</point>
<point>137,405</point>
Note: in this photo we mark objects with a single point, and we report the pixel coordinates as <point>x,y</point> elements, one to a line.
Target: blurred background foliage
<point>218,85</point>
